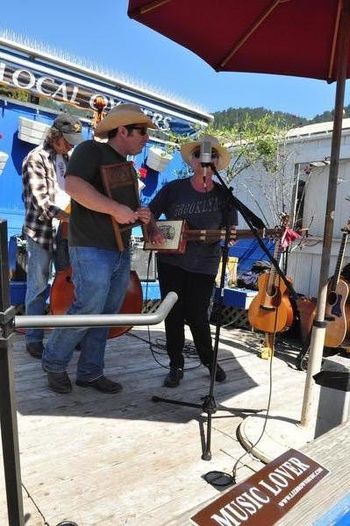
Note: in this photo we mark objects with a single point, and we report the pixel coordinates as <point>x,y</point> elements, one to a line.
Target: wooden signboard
<point>120,184</point>
<point>266,496</point>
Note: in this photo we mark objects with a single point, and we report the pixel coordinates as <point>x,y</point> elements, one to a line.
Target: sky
<point>102,34</point>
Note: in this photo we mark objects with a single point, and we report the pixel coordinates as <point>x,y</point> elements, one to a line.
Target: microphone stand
<point>209,405</point>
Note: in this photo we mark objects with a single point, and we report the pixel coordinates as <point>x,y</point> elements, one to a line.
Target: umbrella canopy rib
<point>149,7</point>
<point>331,72</point>
<point>251,30</point>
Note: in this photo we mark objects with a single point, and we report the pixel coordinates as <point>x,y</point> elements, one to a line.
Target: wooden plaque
<point>120,184</point>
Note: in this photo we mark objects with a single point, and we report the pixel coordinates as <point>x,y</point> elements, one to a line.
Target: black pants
<point>194,292</point>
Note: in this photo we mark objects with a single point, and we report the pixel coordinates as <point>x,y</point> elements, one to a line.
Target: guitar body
<point>270,313</point>
<point>335,315</point>
<point>307,311</point>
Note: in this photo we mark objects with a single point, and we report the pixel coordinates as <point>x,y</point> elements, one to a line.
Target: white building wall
<point>304,262</point>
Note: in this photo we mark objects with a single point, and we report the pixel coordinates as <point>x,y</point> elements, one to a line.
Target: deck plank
<point>126,460</point>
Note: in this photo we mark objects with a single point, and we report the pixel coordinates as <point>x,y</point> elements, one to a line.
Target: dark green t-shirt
<point>201,210</point>
<point>88,228</point>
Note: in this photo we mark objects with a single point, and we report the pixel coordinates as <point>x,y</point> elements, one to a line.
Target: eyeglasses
<point>141,129</point>
<point>197,155</point>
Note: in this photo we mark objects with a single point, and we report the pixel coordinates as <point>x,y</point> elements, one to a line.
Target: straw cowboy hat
<point>224,155</point>
<point>122,115</point>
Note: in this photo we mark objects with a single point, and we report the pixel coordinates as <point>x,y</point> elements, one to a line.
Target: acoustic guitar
<point>338,291</point>
<point>271,310</point>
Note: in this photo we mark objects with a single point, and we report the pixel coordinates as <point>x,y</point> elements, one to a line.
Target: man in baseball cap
<point>46,205</point>
<point>70,127</point>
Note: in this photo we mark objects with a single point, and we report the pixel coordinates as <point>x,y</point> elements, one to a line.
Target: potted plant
<point>3,159</point>
<point>158,159</point>
<point>31,131</point>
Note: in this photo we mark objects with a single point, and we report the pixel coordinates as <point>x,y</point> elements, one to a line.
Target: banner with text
<point>266,496</point>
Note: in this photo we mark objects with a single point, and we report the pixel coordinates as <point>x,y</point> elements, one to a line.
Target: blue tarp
<point>248,252</point>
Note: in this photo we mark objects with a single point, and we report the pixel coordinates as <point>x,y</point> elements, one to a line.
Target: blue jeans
<point>39,266</point>
<point>38,271</point>
<point>100,280</point>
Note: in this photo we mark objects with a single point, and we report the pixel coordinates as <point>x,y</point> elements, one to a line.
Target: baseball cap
<point>70,127</point>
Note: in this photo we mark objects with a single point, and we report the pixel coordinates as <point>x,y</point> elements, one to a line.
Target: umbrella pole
<point>311,392</point>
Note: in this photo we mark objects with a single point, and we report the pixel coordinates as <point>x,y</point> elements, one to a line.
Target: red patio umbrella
<point>304,38</point>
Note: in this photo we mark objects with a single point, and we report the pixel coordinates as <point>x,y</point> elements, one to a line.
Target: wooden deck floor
<point>118,460</point>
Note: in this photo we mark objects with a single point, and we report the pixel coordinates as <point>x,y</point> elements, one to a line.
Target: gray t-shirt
<point>201,210</point>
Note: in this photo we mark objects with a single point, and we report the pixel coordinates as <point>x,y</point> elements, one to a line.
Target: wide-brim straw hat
<point>122,115</point>
<point>224,155</point>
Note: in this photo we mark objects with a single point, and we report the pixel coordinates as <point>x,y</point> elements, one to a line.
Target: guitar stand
<point>302,358</point>
<point>209,405</point>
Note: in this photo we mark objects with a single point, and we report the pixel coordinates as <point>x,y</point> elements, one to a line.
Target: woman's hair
<point>52,136</point>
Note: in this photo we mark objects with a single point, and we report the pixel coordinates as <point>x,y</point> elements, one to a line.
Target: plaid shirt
<point>39,190</point>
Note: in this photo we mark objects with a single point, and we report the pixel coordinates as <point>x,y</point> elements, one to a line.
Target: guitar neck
<point>216,235</point>
<point>338,266</point>
<point>271,284</point>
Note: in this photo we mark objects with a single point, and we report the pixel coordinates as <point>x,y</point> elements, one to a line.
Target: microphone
<point>205,153</point>
<point>205,159</point>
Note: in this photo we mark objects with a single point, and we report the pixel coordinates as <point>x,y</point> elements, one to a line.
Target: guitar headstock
<point>278,231</point>
<point>284,220</point>
<point>346,228</point>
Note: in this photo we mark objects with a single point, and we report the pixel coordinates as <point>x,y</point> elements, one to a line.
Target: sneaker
<point>174,376</point>
<point>102,384</point>
<point>220,375</point>
<point>59,382</point>
<point>35,349</point>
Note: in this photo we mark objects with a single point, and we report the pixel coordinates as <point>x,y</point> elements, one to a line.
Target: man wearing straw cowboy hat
<point>100,271</point>
<point>202,203</point>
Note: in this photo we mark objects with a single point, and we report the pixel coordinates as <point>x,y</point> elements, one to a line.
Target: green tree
<point>258,166</point>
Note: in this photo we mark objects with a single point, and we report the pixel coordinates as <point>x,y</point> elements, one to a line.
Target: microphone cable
<point>159,347</point>
<point>222,479</point>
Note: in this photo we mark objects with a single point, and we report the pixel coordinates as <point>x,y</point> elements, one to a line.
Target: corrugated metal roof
<point>314,129</point>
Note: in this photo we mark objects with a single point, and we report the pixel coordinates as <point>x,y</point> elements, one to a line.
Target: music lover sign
<point>266,496</point>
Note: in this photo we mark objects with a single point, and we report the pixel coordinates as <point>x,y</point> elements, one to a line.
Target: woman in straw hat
<point>202,203</point>
<point>100,270</point>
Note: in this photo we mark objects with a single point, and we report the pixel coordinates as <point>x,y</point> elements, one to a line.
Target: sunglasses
<point>197,155</point>
<point>141,129</point>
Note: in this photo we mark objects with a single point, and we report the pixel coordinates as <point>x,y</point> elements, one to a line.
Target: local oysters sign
<point>266,496</point>
<point>82,94</point>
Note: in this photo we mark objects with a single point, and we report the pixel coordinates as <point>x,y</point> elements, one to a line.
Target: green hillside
<point>236,116</point>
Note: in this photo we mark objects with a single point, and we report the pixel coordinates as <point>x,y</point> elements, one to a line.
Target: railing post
<point>8,417</point>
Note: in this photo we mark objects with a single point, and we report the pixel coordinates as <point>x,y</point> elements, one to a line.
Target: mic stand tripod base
<point>209,407</point>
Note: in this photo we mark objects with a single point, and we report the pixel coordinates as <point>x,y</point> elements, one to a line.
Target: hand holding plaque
<point>120,184</point>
